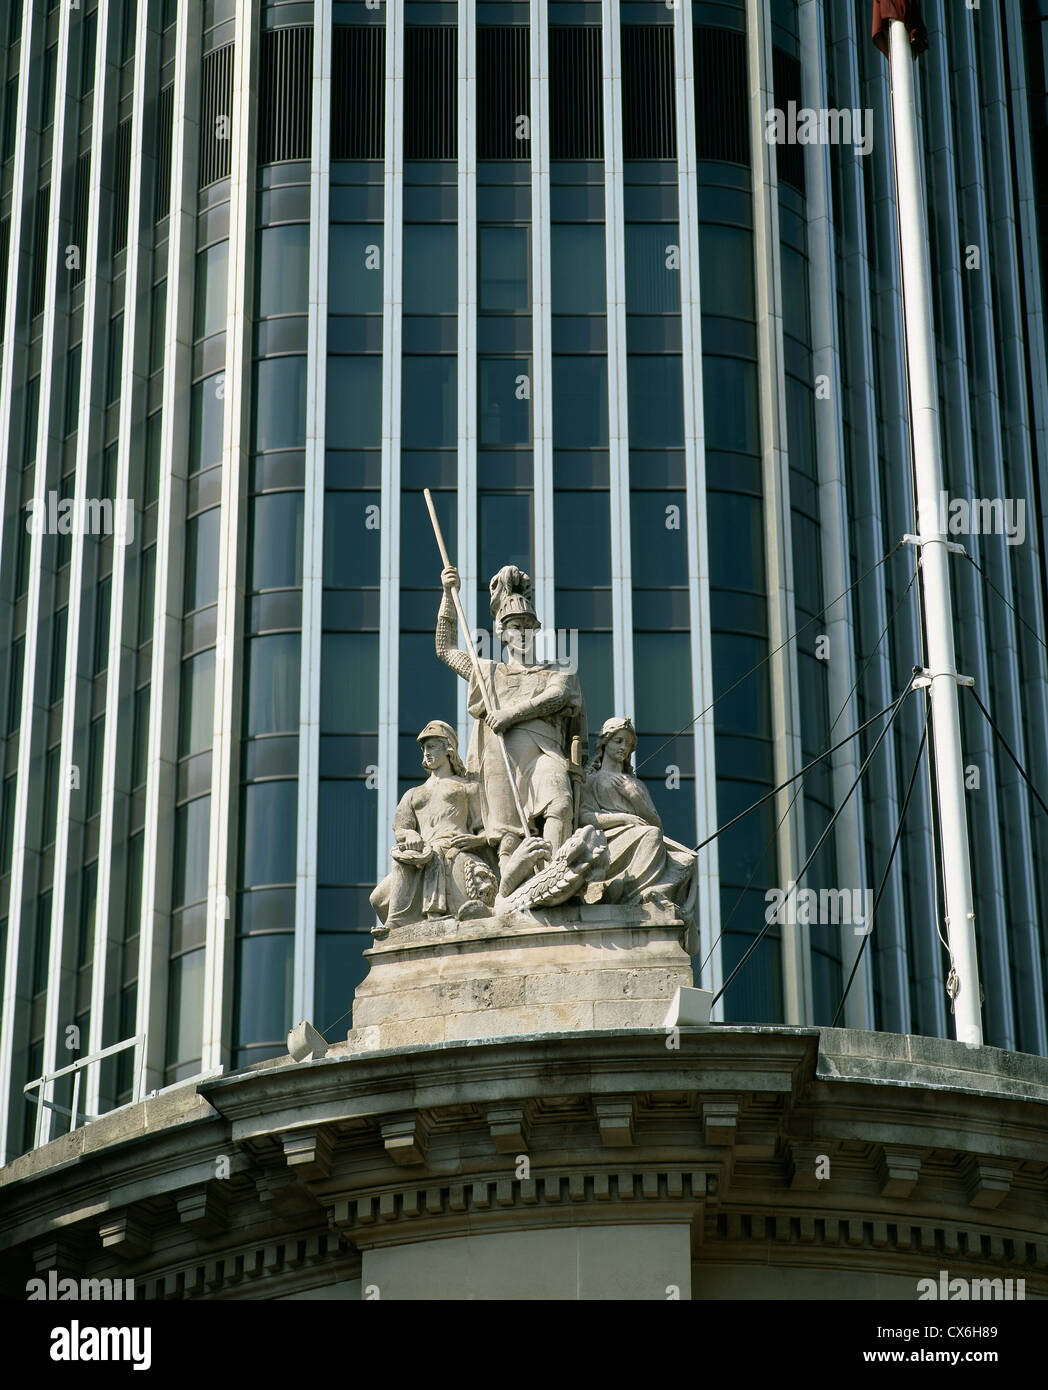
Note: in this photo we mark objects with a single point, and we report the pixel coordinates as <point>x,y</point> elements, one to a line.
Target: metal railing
<point>44,1105</point>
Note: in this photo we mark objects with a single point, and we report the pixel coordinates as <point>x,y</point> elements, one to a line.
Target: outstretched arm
<point>447,625</point>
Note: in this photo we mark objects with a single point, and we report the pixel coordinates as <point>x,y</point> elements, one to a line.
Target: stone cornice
<point>616,1127</point>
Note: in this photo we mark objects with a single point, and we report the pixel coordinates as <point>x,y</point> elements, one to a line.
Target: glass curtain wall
<point>748,860</point>
<point>579,367</point>
<point>200,588</point>
<point>349,692</point>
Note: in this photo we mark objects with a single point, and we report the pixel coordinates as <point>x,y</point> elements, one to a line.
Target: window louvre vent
<point>164,133</point>
<point>216,114</point>
<point>649,115</point>
<point>786,75</point>
<point>722,117</point>
<point>358,93</point>
<point>285,103</point>
<point>576,97</point>
<point>503,91</point>
<point>123,185</point>
<point>430,92</point>
<point>81,197</point>
<point>43,211</point>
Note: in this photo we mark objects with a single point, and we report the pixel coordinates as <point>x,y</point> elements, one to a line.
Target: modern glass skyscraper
<point>269,268</point>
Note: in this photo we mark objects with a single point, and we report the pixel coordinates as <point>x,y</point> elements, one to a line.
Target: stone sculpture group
<point>527,822</point>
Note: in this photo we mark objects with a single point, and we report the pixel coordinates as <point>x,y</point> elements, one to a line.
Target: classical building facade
<point>269,270</point>
<point>745,1163</point>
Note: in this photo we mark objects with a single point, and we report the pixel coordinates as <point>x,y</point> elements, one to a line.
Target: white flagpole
<point>927,451</point>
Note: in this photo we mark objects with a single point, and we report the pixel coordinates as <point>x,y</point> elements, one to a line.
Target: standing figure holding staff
<point>535,708</point>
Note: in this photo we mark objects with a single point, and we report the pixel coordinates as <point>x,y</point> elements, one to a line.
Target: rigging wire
<point>819,757</point>
<point>793,800</point>
<point>764,660</point>
<point>1005,600</point>
<point>887,867</point>
<point>829,826</point>
<point>1004,744</point>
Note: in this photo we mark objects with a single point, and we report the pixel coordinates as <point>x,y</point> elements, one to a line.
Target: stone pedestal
<point>556,970</point>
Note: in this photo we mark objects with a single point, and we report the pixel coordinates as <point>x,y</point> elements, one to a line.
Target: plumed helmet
<point>511,597</point>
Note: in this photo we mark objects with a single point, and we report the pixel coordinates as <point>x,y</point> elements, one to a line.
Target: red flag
<point>909,11</point>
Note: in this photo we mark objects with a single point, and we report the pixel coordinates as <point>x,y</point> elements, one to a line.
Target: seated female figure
<point>645,866</point>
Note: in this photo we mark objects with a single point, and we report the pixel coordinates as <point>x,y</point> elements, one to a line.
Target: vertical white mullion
<point>782,668</point>
<point>236,443</point>
<point>46,444</point>
<point>868,528</point>
<point>707,910</point>
<point>392,370</point>
<point>923,955</point>
<point>468,523</point>
<point>313,523</point>
<point>618,397</point>
<point>77,684</point>
<point>162,752</point>
<point>15,347</point>
<point>542,325</point>
<point>833,505</point>
<point>134,379</point>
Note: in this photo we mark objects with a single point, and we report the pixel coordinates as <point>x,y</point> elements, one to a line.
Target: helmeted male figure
<point>540,714</point>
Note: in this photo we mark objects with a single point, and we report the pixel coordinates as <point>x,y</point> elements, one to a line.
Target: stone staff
<point>489,695</point>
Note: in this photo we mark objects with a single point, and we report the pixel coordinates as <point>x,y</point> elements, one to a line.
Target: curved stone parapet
<point>721,1162</point>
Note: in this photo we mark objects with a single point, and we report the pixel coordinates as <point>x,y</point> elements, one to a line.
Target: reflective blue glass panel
<point>430,268</point>
<point>355,275</point>
<point>282,270</point>
<point>505,269</point>
<point>580,402</point>
<point>280,403</point>
<point>275,521</point>
<point>272,678</point>
<point>579,278</point>
<point>354,402</point>
<point>268,833</point>
<point>349,683</point>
